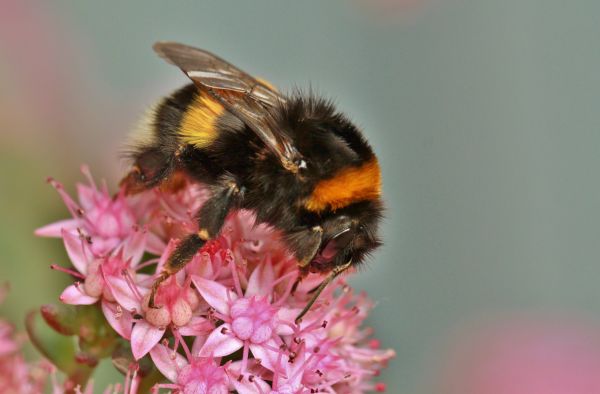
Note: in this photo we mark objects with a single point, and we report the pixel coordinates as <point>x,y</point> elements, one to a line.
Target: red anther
<point>292,357</point>
<point>374,344</point>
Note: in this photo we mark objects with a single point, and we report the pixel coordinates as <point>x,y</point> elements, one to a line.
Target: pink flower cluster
<point>16,375</point>
<point>226,322</point>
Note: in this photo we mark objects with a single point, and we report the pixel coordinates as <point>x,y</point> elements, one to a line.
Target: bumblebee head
<point>348,235</point>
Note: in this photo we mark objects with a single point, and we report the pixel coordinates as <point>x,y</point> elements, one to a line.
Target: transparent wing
<point>243,95</point>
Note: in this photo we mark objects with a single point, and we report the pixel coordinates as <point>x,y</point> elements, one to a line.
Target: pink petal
<point>165,254</point>
<point>7,347</point>
<point>286,320</point>
<point>73,295</point>
<point>144,282</point>
<point>154,244</point>
<point>55,229</point>
<point>309,283</point>
<point>197,345</point>
<point>257,386</point>
<point>268,358</point>
<point>120,321</point>
<point>204,265</point>
<point>87,196</point>
<point>261,280</point>
<point>143,338</point>
<point>169,363</point>
<point>76,251</point>
<point>293,369</point>
<point>134,247</point>
<point>197,326</point>
<point>123,293</point>
<point>217,295</point>
<point>219,344</point>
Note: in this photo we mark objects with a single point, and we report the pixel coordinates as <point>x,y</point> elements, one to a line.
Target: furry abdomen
<point>187,132</point>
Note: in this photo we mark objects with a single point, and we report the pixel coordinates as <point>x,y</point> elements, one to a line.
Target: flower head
<point>16,374</point>
<point>227,321</point>
<point>105,221</point>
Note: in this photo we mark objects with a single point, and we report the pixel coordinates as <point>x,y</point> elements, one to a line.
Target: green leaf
<point>60,350</point>
<point>79,338</point>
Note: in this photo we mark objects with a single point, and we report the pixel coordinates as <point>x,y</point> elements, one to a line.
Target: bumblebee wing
<point>243,95</point>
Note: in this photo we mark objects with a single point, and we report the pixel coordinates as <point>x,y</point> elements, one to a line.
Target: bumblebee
<point>294,160</point>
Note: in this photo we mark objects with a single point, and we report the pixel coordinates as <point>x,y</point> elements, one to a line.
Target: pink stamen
<point>184,345</point>
<point>315,324</point>
<point>309,359</point>
<point>134,382</point>
<point>286,293</point>
<point>71,205</point>
<point>229,300</point>
<point>147,263</point>
<point>131,284</point>
<point>277,372</point>
<point>344,316</point>
<point>245,357</point>
<point>105,187</point>
<point>258,388</point>
<point>67,271</point>
<point>127,377</point>
<point>236,278</point>
<point>272,348</point>
<point>284,277</point>
<point>220,316</point>
<point>167,386</point>
<point>85,170</point>
<point>176,344</point>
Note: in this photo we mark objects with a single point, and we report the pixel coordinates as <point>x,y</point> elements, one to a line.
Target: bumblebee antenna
<point>332,275</point>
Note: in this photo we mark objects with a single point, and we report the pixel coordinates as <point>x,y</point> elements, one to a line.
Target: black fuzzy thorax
<point>326,139</point>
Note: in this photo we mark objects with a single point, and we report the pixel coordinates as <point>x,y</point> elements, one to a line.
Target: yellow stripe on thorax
<point>349,185</point>
<point>198,126</point>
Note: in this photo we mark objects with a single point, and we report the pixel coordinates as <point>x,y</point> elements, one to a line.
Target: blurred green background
<point>484,114</point>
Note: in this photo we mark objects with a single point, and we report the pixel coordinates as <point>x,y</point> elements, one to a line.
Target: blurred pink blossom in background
<point>524,356</point>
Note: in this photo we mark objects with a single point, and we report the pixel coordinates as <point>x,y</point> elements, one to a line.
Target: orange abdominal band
<point>349,185</point>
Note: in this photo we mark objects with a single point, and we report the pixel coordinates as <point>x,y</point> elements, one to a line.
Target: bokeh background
<point>484,114</point>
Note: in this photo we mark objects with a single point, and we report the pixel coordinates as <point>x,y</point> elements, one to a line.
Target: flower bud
<point>181,312</point>
<point>159,317</point>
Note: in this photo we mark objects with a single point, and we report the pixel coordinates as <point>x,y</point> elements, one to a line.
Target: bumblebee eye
<point>301,164</point>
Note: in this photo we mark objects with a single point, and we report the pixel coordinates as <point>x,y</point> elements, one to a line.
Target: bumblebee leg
<point>305,243</point>
<point>303,272</point>
<point>332,275</point>
<point>151,167</point>
<point>210,220</point>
